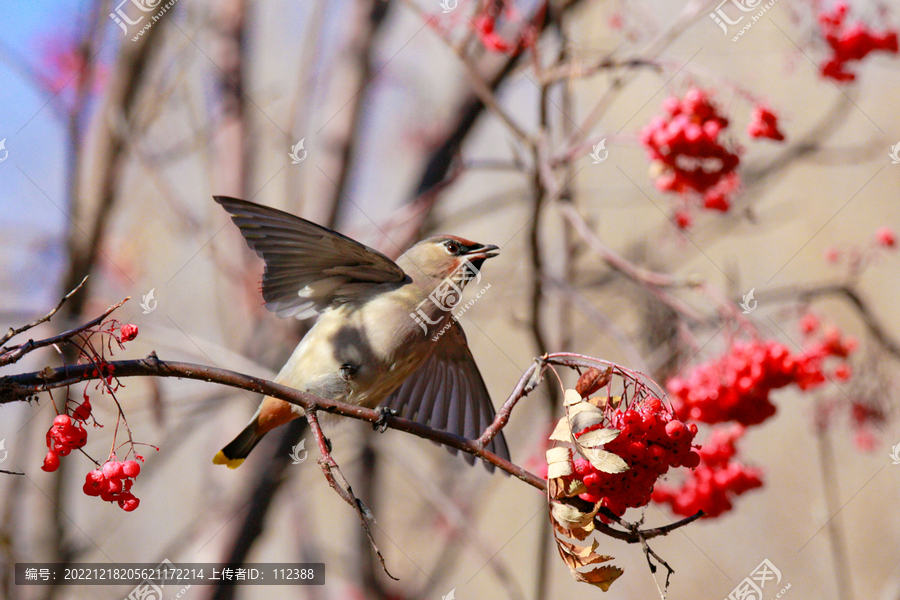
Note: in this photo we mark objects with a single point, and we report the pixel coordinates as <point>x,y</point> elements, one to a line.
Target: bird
<point>384,333</point>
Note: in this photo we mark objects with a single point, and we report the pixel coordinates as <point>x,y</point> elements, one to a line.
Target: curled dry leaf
<point>573,518</point>
<point>592,380</point>
<point>560,482</point>
<point>570,521</point>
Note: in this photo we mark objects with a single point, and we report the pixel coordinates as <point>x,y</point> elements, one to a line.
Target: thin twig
<point>655,283</point>
<point>849,293</point>
<point>343,489</point>
<point>14,332</point>
<point>479,85</point>
<point>12,355</point>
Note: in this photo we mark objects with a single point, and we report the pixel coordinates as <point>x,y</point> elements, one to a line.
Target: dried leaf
<point>597,437</point>
<point>559,462</point>
<point>602,577</point>
<point>602,401</point>
<point>562,433</point>
<point>576,556</point>
<point>570,517</point>
<point>563,487</point>
<point>584,415</point>
<point>571,397</point>
<point>592,380</point>
<point>605,461</point>
<point>585,555</point>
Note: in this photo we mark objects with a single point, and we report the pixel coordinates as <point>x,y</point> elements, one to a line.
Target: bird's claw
<point>381,424</point>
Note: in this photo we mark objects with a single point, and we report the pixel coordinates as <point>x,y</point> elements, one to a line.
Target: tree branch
<point>15,388</point>
<point>14,332</point>
<point>11,355</point>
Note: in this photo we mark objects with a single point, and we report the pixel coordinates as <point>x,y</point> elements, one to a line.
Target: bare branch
<point>14,332</point>
<point>15,388</point>
<point>849,293</point>
<point>11,355</point>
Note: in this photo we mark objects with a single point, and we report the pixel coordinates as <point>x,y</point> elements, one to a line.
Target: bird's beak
<point>482,252</point>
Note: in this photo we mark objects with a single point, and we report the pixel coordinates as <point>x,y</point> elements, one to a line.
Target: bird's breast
<point>360,353</point>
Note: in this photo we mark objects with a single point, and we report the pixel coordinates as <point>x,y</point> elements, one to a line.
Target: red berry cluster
<point>650,441</point>
<point>113,481</point>
<point>711,485</point>
<point>687,149</point>
<point>850,43</point>
<point>831,344</point>
<point>485,24</point>
<point>63,437</point>
<point>736,386</point>
<point>764,124</point>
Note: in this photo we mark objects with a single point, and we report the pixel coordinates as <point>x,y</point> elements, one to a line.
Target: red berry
<point>843,372</point>
<point>113,470</point>
<point>850,44</point>
<point>692,460</point>
<point>885,237</point>
<point>129,332</point>
<point>131,468</point>
<point>591,480</point>
<point>51,462</point>
<point>591,497</point>
<point>676,430</point>
<point>129,504</point>
<point>83,411</point>
<point>683,219</point>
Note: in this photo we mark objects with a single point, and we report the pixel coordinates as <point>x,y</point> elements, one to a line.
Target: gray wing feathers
<point>448,393</point>
<point>308,267</point>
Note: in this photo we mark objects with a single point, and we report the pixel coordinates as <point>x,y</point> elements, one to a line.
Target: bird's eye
<point>452,247</point>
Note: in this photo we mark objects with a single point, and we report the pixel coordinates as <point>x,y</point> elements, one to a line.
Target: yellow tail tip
<point>231,463</point>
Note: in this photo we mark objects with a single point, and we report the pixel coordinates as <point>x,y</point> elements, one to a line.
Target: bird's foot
<point>328,445</point>
<point>381,424</point>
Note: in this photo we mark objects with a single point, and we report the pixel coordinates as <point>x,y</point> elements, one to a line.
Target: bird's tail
<point>234,453</point>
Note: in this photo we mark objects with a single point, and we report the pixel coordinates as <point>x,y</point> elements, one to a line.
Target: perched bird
<point>384,332</point>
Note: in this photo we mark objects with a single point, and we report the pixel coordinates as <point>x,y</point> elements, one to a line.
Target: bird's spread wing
<point>308,267</point>
<point>448,393</point>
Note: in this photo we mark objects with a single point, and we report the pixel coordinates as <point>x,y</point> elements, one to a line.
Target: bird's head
<point>443,256</point>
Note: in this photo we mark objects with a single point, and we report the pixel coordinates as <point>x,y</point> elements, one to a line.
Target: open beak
<point>482,252</point>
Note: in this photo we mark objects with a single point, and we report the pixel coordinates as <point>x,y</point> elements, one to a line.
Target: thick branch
<point>23,386</point>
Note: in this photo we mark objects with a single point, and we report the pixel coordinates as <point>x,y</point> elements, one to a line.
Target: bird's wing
<point>448,393</point>
<point>308,267</point>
